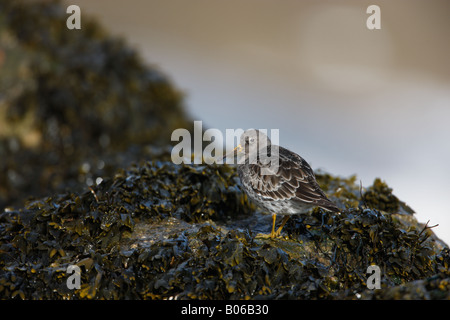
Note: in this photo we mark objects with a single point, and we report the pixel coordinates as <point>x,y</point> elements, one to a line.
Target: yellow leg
<point>274,218</point>
<point>283,222</point>
<point>274,234</point>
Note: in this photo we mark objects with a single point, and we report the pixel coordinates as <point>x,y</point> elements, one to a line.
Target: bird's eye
<point>252,140</point>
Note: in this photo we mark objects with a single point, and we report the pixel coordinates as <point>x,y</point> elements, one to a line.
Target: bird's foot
<point>264,236</point>
<point>272,235</point>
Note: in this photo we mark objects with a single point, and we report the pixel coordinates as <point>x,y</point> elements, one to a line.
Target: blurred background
<point>375,103</point>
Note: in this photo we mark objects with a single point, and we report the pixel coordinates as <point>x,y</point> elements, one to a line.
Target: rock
<point>194,240</point>
<point>75,105</point>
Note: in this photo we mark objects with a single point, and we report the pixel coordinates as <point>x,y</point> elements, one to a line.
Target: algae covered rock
<point>75,104</point>
<point>164,231</point>
<point>95,230</point>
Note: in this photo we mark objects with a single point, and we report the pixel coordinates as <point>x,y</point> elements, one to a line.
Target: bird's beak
<point>233,153</point>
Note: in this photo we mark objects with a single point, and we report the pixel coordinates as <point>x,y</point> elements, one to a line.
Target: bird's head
<point>253,143</point>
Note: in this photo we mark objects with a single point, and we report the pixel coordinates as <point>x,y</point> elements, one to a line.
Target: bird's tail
<point>330,206</point>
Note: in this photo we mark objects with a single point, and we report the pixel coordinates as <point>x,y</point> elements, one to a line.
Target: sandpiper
<point>286,189</point>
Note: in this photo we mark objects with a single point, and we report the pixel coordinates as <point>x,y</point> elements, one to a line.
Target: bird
<point>286,188</point>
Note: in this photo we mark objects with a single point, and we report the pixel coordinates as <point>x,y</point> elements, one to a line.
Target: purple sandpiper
<point>288,188</point>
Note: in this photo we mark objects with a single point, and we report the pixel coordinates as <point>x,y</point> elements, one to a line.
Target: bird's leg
<point>274,218</point>
<point>283,222</point>
<point>274,234</point>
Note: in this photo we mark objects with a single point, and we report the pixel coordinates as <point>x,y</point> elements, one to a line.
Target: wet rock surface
<point>150,229</point>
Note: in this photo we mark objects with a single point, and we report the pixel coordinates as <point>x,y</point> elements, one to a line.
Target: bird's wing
<point>293,179</point>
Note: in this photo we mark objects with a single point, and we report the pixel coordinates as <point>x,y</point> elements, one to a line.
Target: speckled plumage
<point>290,188</point>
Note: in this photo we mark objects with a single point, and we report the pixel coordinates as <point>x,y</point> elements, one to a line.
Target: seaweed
<point>162,231</point>
<point>80,113</point>
<point>75,105</point>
